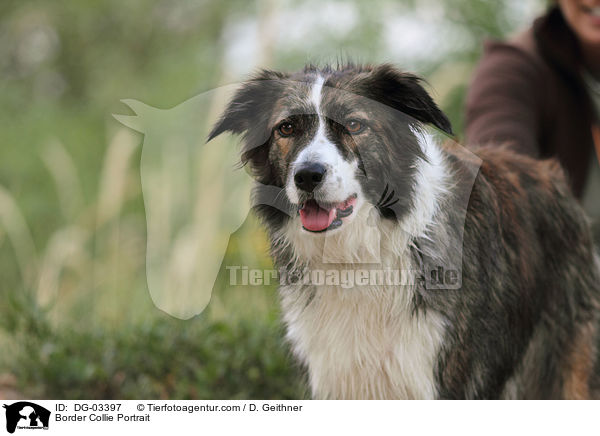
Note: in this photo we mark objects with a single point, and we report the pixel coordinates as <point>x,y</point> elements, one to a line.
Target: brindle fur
<point>524,323</point>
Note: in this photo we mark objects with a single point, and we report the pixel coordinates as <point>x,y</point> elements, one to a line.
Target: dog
<point>366,184</point>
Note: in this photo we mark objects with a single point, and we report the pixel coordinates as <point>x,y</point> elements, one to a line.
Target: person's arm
<point>504,103</point>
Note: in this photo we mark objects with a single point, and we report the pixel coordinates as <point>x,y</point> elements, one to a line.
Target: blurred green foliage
<point>64,66</point>
<point>162,359</point>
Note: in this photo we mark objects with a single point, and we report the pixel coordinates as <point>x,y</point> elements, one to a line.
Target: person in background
<point>540,94</point>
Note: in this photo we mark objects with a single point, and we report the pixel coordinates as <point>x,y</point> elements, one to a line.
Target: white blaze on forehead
<point>320,149</point>
<point>315,95</point>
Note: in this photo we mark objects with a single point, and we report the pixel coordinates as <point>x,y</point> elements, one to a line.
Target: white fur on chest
<point>363,342</point>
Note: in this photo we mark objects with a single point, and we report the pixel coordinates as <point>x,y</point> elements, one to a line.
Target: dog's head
<point>334,139</point>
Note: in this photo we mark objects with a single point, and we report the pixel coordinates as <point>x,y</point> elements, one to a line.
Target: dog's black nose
<point>309,176</point>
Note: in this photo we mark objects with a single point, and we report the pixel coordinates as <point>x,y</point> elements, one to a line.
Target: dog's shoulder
<point>507,169</point>
<point>516,185</point>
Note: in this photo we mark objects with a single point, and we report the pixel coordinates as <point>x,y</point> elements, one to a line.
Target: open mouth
<point>593,11</point>
<point>319,218</point>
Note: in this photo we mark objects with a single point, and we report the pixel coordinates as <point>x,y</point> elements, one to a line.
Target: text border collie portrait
<point>348,148</point>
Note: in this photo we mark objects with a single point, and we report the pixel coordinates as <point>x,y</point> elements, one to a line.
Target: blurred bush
<point>162,359</point>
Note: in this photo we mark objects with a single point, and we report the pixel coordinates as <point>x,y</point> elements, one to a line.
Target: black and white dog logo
<point>26,415</point>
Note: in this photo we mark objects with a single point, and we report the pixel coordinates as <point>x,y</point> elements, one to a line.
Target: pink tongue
<point>315,218</point>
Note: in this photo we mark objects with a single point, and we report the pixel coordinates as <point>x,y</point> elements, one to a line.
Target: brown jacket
<point>529,92</point>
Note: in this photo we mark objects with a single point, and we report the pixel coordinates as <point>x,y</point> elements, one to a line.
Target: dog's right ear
<point>251,104</point>
<point>404,92</point>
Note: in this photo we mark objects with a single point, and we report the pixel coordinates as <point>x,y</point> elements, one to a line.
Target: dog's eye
<point>286,128</point>
<point>354,126</point>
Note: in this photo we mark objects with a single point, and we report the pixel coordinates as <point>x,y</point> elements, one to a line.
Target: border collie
<point>364,183</point>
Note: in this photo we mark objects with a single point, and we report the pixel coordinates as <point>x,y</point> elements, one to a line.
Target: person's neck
<point>591,60</point>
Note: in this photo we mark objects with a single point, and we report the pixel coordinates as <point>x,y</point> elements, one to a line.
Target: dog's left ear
<point>403,92</point>
<point>251,104</point>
